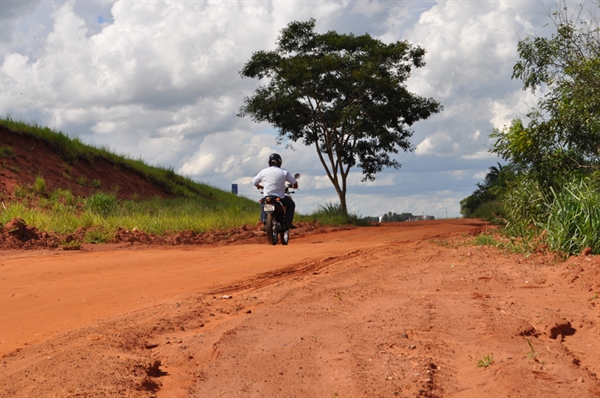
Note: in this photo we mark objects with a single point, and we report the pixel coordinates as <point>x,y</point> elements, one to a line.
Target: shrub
<point>491,211</point>
<point>98,235</point>
<point>333,214</point>
<point>526,206</point>
<point>64,196</point>
<point>39,185</point>
<point>6,152</point>
<point>101,203</point>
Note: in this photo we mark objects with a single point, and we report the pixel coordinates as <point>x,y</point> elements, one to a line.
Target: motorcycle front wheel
<point>271,232</point>
<point>284,237</point>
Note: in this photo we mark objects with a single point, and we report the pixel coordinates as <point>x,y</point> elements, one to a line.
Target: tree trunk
<point>333,177</point>
<point>342,196</point>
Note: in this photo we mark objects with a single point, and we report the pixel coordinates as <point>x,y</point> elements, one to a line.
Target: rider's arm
<point>256,181</point>
<point>289,178</point>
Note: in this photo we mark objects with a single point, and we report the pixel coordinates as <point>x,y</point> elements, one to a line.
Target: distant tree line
<point>371,219</point>
<point>395,217</point>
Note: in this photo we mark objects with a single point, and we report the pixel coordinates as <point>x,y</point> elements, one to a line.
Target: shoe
<point>289,225</point>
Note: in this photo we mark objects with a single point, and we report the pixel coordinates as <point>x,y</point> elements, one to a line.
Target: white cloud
<point>471,48</point>
<point>502,114</point>
<point>482,154</point>
<point>369,8</point>
<point>458,174</point>
<point>480,176</point>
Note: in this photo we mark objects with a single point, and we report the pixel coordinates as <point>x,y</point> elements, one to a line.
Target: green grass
<point>486,361</point>
<point>39,185</point>
<point>102,214</point>
<point>496,238</point>
<point>485,240</point>
<point>532,353</point>
<point>6,152</point>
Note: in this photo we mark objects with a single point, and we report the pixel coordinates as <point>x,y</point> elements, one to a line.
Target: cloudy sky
<point>158,80</point>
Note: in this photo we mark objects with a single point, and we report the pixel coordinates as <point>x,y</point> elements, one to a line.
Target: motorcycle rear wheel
<point>271,232</point>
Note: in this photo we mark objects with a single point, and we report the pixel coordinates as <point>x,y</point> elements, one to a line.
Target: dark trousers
<point>290,206</point>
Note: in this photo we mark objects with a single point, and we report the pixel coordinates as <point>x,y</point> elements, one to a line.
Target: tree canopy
<point>343,94</point>
<point>488,193</point>
<point>563,133</point>
<point>554,195</point>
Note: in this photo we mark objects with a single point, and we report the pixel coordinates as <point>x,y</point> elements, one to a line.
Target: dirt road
<point>406,310</point>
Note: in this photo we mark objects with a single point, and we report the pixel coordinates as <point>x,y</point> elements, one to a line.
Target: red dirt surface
<point>398,310</point>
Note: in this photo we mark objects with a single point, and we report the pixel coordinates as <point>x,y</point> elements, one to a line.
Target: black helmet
<point>275,160</point>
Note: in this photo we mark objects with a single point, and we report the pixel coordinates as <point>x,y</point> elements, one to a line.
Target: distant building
<point>417,218</point>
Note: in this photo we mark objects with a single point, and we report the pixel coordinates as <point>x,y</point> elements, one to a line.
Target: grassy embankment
<point>194,206</point>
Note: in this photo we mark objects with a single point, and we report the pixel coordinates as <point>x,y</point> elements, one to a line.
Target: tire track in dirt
<point>313,266</point>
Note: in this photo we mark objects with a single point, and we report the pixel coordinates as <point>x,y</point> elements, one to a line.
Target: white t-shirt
<point>273,180</point>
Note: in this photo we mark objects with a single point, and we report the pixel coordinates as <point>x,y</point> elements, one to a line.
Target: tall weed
<point>39,185</point>
<point>566,218</point>
<point>101,203</point>
<point>573,221</point>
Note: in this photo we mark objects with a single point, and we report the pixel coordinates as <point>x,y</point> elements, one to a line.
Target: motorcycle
<point>275,216</point>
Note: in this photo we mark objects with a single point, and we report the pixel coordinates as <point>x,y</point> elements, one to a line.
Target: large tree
<point>562,136</point>
<point>343,94</point>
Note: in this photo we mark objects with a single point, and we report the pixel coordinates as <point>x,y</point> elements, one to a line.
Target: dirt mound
<point>16,234</point>
<point>30,157</point>
<point>584,272</point>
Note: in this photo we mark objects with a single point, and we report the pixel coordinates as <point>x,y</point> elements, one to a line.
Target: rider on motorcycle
<point>272,181</point>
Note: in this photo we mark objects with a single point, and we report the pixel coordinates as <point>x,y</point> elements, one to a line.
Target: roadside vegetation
<point>549,192</point>
<point>194,207</point>
<point>102,214</point>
